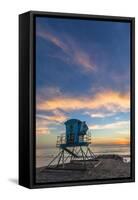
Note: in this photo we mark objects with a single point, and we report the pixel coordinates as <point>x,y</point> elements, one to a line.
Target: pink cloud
<point>74,53</point>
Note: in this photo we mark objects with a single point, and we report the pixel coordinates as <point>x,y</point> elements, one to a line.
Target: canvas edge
<point>25,132</point>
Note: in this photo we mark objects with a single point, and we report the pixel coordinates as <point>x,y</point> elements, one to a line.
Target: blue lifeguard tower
<point>73,145</point>
<point>75,132</point>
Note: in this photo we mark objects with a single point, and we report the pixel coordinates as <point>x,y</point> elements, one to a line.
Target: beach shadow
<point>13,180</point>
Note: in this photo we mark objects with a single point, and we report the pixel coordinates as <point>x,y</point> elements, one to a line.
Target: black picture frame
<point>27,98</point>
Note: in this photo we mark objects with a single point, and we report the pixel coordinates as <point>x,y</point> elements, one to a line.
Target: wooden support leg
<point>72,155</point>
<point>83,156</point>
<point>63,159</point>
<point>54,159</point>
<point>60,158</point>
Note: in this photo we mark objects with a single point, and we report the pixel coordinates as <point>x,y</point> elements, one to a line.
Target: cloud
<point>47,93</point>
<point>123,132</point>
<point>55,40</point>
<point>115,125</point>
<point>99,114</point>
<point>74,53</point>
<point>42,126</point>
<point>56,116</point>
<point>84,60</point>
<point>111,100</point>
<point>42,130</point>
<point>46,123</point>
<point>112,133</point>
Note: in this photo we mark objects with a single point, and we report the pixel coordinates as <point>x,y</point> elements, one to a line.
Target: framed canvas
<point>76,99</point>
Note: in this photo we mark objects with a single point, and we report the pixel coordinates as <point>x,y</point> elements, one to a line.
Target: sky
<point>82,72</point>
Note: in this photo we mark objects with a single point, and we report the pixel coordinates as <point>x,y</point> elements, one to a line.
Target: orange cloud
<point>42,130</point>
<point>56,117</point>
<point>111,100</point>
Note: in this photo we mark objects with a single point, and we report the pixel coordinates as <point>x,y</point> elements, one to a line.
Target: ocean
<point>45,155</point>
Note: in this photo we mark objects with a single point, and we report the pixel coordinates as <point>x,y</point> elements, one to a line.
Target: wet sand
<point>105,166</point>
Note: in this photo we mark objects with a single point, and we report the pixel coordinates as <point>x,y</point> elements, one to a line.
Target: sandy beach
<point>105,166</point>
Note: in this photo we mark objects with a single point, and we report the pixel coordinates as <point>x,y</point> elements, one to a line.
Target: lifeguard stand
<point>73,146</point>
